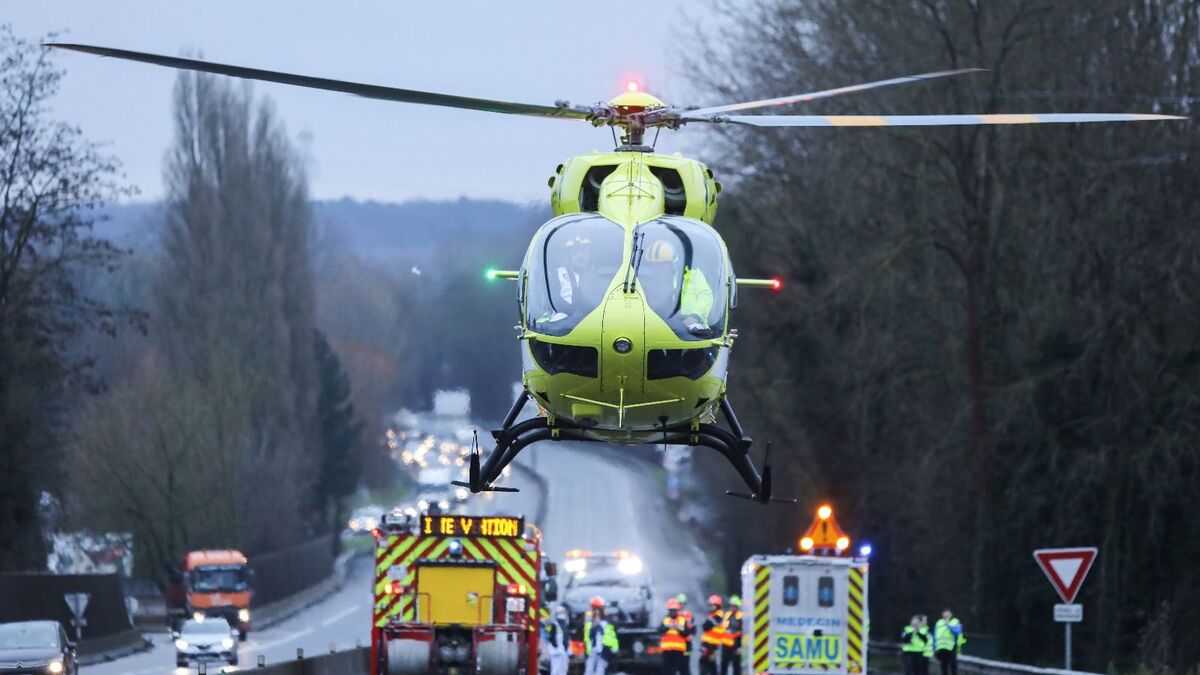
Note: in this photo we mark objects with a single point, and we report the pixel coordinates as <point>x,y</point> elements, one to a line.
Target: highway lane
<point>603,500</point>
<point>341,620</point>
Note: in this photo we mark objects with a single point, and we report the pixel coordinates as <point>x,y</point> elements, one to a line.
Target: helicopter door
<point>571,266</point>
<point>683,274</point>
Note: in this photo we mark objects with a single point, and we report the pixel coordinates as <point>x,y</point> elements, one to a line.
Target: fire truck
<point>458,594</point>
<point>807,614</point>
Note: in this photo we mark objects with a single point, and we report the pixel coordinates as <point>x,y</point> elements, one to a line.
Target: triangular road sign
<point>1066,568</point>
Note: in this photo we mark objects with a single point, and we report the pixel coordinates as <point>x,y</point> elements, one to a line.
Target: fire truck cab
<point>458,593</point>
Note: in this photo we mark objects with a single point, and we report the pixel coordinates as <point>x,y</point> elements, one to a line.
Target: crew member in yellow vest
<point>600,640</point>
<point>948,640</point>
<point>731,649</point>
<point>927,654</point>
<point>675,636</point>
<point>713,636</point>
<point>912,645</point>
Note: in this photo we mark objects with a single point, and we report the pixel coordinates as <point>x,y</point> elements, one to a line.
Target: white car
<point>206,640</point>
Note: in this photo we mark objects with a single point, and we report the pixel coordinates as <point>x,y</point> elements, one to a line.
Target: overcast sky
<point>521,50</point>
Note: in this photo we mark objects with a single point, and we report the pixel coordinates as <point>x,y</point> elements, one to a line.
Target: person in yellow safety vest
<point>928,653</point>
<point>663,282</point>
<point>912,645</point>
<point>675,636</point>
<point>713,636</point>
<point>948,639</point>
<point>688,617</point>
<point>731,649</point>
<point>599,640</point>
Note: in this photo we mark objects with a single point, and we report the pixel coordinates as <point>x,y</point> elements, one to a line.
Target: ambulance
<point>806,613</point>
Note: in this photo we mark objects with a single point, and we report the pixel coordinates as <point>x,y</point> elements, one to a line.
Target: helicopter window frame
<point>608,247</point>
<point>696,240</point>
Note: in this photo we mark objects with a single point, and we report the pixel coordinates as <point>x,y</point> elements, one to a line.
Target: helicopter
<point>625,294</point>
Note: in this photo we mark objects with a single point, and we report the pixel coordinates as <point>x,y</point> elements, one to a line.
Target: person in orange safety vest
<point>688,617</point>
<point>675,638</point>
<point>713,636</point>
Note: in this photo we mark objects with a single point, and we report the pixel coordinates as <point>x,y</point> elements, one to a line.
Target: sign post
<point>1066,569</point>
<point>77,603</point>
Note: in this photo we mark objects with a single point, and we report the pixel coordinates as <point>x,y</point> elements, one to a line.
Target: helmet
<point>715,600</point>
<point>682,598</point>
<point>735,600</point>
<point>597,601</point>
<point>673,604</point>
<point>660,251</point>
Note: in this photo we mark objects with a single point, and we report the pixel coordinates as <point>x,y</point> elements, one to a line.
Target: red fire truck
<point>458,594</point>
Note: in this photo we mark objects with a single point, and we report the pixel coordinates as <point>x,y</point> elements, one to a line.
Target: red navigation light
<point>776,284</point>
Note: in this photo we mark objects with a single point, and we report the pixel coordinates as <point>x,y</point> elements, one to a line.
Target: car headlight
<point>243,615</point>
<point>443,504</point>
<point>423,505</point>
<point>55,666</point>
<point>227,643</point>
<point>632,565</point>
<point>181,644</point>
<point>199,616</point>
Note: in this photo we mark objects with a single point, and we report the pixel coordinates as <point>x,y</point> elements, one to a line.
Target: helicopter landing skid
<point>513,437</point>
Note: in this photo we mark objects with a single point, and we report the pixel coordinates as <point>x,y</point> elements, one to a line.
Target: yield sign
<point>1066,568</point>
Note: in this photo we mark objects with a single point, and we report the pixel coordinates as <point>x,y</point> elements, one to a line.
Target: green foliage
<point>986,338</point>
<point>340,432</point>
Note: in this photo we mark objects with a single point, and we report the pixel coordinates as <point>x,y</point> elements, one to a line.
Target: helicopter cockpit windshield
<point>571,264</point>
<point>682,274</point>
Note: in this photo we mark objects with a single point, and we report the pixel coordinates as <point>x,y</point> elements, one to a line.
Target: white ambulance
<point>804,614</point>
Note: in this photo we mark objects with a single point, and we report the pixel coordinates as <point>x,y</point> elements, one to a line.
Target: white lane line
<point>340,615</point>
<point>286,639</point>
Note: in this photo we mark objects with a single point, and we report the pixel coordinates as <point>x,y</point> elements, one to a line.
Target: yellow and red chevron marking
<point>516,563</point>
<point>854,623</point>
<point>760,606</point>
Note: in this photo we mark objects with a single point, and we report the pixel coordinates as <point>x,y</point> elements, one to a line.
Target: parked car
<point>36,647</point>
<point>206,640</point>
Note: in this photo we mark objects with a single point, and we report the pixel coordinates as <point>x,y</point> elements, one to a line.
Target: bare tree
<point>51,183</point>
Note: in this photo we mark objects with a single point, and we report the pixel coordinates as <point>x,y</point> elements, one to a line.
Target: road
<point>596,500</point>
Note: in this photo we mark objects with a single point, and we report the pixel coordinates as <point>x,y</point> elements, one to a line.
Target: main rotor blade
<point>926,120</point>
<point>827,93</point>
<point>358,89</point>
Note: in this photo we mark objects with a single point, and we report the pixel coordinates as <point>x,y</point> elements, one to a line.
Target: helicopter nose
<point>623,344</point>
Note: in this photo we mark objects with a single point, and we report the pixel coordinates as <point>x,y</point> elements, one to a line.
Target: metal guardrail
<point>973,665</point>
<point>350,662</point>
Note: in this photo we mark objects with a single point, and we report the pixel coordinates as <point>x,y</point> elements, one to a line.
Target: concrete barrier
<point>351,662</point>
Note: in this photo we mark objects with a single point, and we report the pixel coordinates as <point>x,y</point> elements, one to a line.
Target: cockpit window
<point>570,266</point>
<point>682,274</point>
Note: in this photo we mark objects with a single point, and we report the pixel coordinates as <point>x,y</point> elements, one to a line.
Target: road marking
<point>286,639</point>
<point>340,615</point>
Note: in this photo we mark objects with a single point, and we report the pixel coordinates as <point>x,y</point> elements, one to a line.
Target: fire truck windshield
<point>219,579</point>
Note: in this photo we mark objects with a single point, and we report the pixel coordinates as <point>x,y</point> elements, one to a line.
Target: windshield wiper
<point>635,262</point>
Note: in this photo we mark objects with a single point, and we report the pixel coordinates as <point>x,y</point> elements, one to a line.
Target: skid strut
<point>513,437</point>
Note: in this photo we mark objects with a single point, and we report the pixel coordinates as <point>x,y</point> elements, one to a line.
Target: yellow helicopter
<point>625,295</point>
